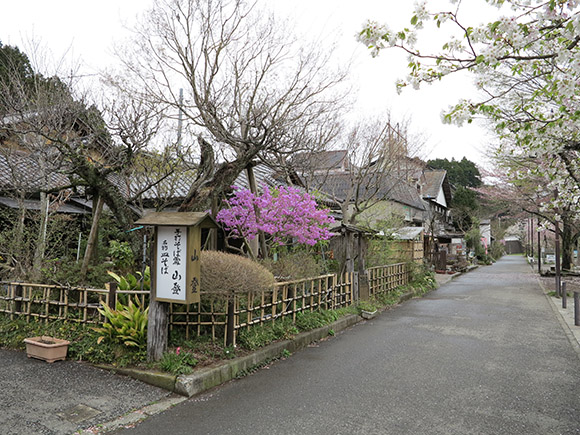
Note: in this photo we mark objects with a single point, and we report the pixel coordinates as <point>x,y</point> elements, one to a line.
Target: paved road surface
<point>63,397</point>
<point>484,354</point>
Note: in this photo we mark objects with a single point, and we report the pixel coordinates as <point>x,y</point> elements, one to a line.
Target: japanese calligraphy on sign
<point>171,277</point>
<point>176,265</point>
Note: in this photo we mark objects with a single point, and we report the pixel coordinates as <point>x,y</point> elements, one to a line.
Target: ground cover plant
<point>122,340</point>
<point>283,329</point>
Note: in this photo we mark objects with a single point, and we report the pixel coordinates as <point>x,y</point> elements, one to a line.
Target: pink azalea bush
<point>284,213</point>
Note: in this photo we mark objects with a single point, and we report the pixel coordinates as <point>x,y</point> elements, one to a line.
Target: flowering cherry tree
<point>284,213</point>
<point>518,191</point>
<point>526,64</point>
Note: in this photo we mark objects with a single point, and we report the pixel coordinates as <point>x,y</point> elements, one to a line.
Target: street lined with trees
<point>240,136</point>
<point>526,66</point>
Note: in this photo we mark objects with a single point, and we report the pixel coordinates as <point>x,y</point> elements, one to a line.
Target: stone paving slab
<point>566,316</point>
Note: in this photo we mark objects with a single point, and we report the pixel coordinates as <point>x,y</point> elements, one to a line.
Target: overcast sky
<point>86,31</point>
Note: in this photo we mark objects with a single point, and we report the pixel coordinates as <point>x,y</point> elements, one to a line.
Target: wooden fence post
<point>360,285</point>
<point>230,323</point>
<point>112,287</point>
<point>157,323</point>
<point>17,299</point>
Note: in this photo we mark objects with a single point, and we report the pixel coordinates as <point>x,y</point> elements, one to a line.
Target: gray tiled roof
<point>339,185</point>
<point>174,186</point>
<point>20,170</point>
<point>433,182</point>
<point>35,205</point>
<point>436,180</point>
<point>263,174</point>
<point>320,161</point>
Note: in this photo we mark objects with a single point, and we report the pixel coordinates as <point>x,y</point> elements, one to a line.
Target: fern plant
<point>126,325</point>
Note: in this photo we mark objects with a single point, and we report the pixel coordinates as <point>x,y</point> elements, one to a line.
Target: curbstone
<point>210,377</point>
<point>406,296</point>
<point>163,405</point>
<point>132,418</point>
<point>157,379</point>
<point>566,323</point>
<point>206,378</point>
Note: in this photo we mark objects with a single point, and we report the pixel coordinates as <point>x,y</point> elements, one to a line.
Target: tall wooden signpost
<point>175,270</point>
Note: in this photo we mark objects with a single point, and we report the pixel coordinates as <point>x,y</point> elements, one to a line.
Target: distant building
<point>486,237</point>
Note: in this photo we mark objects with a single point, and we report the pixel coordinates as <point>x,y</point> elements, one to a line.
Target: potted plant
<point>47,348</point>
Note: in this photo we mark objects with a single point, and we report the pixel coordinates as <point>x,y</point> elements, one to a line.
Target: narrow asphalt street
<point>484,354</point>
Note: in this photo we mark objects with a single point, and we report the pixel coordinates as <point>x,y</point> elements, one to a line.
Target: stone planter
<point>368,314</point>
<point>46,348</point>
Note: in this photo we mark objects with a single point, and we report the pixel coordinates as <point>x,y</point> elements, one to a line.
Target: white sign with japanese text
<point>171,277</point>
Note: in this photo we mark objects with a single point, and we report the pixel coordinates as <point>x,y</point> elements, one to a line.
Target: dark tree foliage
<point>460,173</point>
<point>464,207</point>
<point>15,71</point>
<point>12,60</point>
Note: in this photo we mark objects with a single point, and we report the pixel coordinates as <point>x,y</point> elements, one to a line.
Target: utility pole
<point>180,118</point>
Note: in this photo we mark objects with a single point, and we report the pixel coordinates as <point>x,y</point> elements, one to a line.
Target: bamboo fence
<point>52,302</point>
<point>211,316</point>
<point>409,250</point>
<point>384,279</point>
<point>292,297</point>
<point>208,317</point>
<point>286,299</point>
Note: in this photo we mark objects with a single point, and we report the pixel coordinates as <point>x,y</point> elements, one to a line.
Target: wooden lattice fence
<point>206,318</point>
<point>52,302</point>
<point>286,299</point>
<point>210,317</point>
<point>384,279</point>
<point>409,250</point>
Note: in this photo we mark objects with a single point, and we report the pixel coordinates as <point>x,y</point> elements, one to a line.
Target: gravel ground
<point>65,396</point>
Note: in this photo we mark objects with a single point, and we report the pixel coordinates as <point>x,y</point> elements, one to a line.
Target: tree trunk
<point>261,242</point>
<point>110,193</point>
<point>41,242</point>
<point>363,282</point>
<point>92,240</point>
<point>204,192</point>
<point>567,244</point>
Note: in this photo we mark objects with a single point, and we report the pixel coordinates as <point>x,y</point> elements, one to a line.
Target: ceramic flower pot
<point>49,349</point>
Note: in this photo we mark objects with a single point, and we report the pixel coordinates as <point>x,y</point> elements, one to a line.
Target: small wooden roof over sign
<point>174,219</point>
